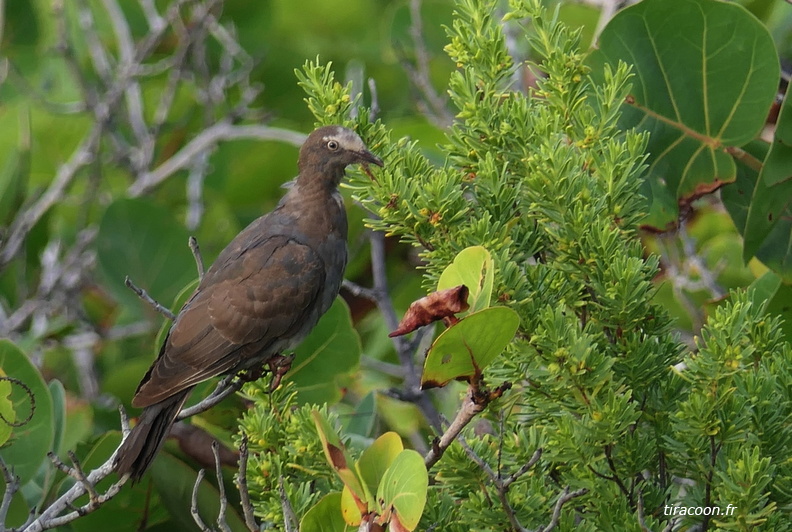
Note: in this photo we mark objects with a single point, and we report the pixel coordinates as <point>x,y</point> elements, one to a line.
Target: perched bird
<point>263,294</point>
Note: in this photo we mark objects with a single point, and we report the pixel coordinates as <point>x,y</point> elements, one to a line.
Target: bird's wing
<point>263,297</point>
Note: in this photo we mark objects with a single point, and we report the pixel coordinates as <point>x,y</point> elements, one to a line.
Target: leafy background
<point>145,237</point>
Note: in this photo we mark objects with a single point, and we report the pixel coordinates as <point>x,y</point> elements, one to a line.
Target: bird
<point>262,295</point>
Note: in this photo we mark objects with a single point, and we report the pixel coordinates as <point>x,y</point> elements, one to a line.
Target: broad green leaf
<point>325,516</point>
<point>764,288</point>
<point>337,456</point>
<point>14,174</point>
<point>768,226</point>
<point>350,508</point>
<point>706,73</point>
<point>361,422</point>
<point>29,443</point>
<point>474,268</point>
<point>331,350</point>
<point>737,196</point>
<point>778,164</point>
<point>142,240</point>
<point>7,413</point>
<point>58,395</point>
<point>402,490</point>
<point>469,346</point>
<point>376,459</point>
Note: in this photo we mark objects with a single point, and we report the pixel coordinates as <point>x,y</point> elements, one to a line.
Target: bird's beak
<point>368,157</point>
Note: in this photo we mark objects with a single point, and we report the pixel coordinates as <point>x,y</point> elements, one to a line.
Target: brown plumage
<point>263,294</point>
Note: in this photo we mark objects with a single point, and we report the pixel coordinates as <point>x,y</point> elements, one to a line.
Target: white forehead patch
<point>347,139</point>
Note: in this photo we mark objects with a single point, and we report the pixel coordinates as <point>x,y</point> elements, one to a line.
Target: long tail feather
<point>147,437</point>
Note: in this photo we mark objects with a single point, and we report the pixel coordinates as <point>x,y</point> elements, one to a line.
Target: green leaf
<point>331,350</point>
<point>142,240</point>
<point>325,516</point>
<point>764,288</point>
<point>737,196</point>
<point>778,164</point>
<point>706,73</point>
<point>768,230</point>
<point>350,508</point>
<point>15,173</point>
<point>768,227</point>
<point>30,442</point>
<point>466,348</point>
<point>337,456</point>
<point>58,394</point>
<point>474,268</point>
<point>7,413</point>
<point>361,422</point>
<point>376,459</point>
<point>402,491</point>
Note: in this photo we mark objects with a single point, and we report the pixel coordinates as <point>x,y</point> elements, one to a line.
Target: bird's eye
<point>332,145</point>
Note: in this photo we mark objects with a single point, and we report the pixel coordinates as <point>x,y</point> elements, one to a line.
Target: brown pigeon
<point>262,295</point>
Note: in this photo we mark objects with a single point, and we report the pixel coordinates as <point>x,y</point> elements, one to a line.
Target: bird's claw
<point>279,365</point>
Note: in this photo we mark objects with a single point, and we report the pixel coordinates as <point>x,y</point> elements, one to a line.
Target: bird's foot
<point>279,365</point>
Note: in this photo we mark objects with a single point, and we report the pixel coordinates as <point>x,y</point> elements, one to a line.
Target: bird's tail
<point>145,440</point>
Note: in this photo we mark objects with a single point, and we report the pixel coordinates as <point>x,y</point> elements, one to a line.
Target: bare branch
<point>207,140</point>
<point>142,294</point>
<point>51,516</point>
<point>508,481</point>
<point>24,222</point>
<point>126,48</point>
<point>11,487</point>
<point>154,19</point>
<point>433,105</point>
<point>196,251</point>
<point>195,180</point>
<point>564,498</point>
<point>194,503</point>
<point>226,387</point>
<point>289,517</point>
<point>221,515</point>
<point>476,400</point>
<point>244,493</point>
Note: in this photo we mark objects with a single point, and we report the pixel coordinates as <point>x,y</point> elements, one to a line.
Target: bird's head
<point>330,149</point>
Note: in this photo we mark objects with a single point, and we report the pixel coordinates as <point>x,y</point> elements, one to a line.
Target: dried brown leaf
<point>436,306</point>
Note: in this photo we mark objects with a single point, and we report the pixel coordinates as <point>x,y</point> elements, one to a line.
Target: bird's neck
<point>314,204</point>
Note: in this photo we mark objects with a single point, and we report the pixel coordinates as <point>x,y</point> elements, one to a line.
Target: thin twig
<point>242,485</point>
<point>227,386</point>
<point>142,294</point>
<point>502,484</point>
<point>51,518</point>
<point>24,222</point>
<point>206,140</point>
<point>289,517</point>
<point>126,48</point>
<point>564,498</point>
<point>433,105</point>
<point>221,515</point>
<point>194,503</point>
<point>196,251</point>
<point>474,403</point>
<point>527,466</point>
<point>195,180</point>
<point>11,487</point>
<point>405,349</point>
<point>641,514</point>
